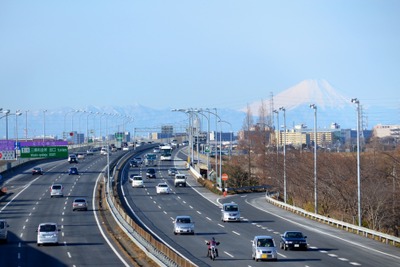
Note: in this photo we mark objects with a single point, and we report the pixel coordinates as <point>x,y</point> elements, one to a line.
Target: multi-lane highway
<point>81,243</point>
<point>328,246</point>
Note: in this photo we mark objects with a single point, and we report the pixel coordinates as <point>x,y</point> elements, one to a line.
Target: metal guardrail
<point>158,251</point>
<point>388,239</point>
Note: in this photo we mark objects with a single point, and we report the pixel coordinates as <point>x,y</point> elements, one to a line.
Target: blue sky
<point>180,54</point>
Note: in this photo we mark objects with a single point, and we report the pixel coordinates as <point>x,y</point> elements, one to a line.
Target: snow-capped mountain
<point>332,107</point>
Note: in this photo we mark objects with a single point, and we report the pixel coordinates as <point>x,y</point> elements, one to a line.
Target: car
<point>89,152</point>
<point>3,230</point>
<point>264,248</point>
<point>136,180</point>
<point>72,158</point>
<point>139,160</point>
<point>183,224</point>
<point>56,190</point>
<point>73,171</point>
<point>81,156</point>
<point>156,150</point>
<point>125,148</point>
<point>163,188</point>
<point>172,171</point>
<point>37,170</point>
<point>47,233</point>
<point>230,212</point>
<point>104,151</point>
<point>180,180</point>
<point>79,204</point>
<point>151,173</point>
<point>293,240</point>
<point>133,163</point>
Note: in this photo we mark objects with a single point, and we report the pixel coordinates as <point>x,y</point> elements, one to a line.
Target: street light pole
<point>357,102</point>
<point>278,132</point>
<point>17,113</point>
<point>26,125</point>
<point>44,125</point>
<point>313,106</point>
<point>284,154</point>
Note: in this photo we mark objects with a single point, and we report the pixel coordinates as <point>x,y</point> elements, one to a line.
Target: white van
<point>264,248</point>
<point>56,190</point>
<point>47,233</point>
<point>230,212</point>
<point>3,230</point>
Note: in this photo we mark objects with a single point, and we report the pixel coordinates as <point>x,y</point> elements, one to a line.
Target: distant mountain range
<point>332,107</point>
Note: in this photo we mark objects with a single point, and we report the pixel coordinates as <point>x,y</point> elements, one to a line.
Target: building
<point>382,131</point>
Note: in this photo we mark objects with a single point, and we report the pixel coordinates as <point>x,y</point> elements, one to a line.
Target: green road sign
<point>44,152</point>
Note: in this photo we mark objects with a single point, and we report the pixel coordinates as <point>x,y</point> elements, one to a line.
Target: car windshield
<point>183,220</point>
<point>48,228</point>
<point>265,242</point>
<point>231,208</point>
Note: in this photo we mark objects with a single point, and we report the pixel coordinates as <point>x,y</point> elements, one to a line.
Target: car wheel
<point>175,233</point>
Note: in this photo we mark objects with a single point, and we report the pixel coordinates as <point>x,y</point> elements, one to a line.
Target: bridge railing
<point>382,237</point>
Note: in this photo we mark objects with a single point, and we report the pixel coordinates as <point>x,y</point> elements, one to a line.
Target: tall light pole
<point>313,106</point>
<point>208,139</point>
<point>284,154</point>
<point>17,113</point>
<point>26,125</point>
<point>44,125</point>
<point>7,111</point>
<point>357,102</point>
<point>278,132</point>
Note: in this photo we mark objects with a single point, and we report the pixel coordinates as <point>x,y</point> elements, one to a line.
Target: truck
<point>180,180</point>
<point>150,159</point>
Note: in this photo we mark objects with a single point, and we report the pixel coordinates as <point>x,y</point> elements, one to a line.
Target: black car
<point>73,171</point>
<point>133,163</point>
<point>151,173</point>
<point>293,240</point>
<point>37,170</point>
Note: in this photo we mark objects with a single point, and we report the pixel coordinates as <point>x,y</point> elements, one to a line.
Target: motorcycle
<point>212,250</point>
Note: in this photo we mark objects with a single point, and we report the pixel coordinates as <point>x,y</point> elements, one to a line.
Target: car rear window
<point>48,228</point>
<point>57,187</point>
<point>79,200</point>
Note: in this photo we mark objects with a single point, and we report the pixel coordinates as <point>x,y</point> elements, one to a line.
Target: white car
<point>162,188</point>
<point>136,181</point>
<point>56,190</point>
<point>264,248</point>
<point>47,233</point>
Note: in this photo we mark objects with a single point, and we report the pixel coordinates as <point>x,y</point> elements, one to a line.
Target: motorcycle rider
<point>211,243</point>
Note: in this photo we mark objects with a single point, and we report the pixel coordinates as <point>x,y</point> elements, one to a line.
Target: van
<point>47,233</point>
<point>264,248</point>
<point>230,212</point>
<point>180,180</point>
<point>3,230</point>
<point>56,190</point>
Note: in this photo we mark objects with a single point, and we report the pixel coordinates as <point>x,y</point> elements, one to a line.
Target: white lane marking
<point>190,207</point>
<point>19,255</point>
<point>198,212</point>
<point>355,263</point>
<point>208,218</point>
<point>165,212</point>
<point>284,256</point>
<point>20,235</point>
<point>332,255</point>
<point>230,255</point>
<point>19,244</point>
<point>221,225</point>
<point>343,259</point>
<point>236,233</point>
<point>69,254</point>
<point>159,207</point>
<point>26,220</point>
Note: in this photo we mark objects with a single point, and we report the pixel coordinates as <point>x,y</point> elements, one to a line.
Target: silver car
<point>264,248</point>
<point>47,233</point>
<point>79,204</point>
<point>230,212</point>
<point>3,230</point>
<point>183,225</point>
<point>56,190</point>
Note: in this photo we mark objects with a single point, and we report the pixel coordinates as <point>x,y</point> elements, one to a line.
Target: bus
<point>166,152</point>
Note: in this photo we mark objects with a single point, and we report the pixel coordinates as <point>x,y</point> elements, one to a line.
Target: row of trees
<point>337,178</point>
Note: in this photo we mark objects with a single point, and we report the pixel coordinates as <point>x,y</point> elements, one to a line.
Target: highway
<point>328,246</point>
<point>80,240</point>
